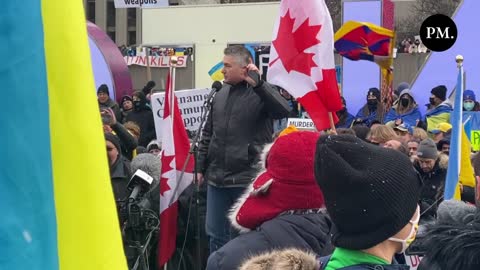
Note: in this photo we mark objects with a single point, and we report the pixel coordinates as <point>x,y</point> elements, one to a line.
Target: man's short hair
<point>240,52</point>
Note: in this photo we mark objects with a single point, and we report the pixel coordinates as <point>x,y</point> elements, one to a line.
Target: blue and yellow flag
<point>460,170</point>
<point>58,209</point>
<point>216,72</point>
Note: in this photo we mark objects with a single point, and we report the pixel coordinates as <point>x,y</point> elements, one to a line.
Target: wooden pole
<point>332,123</point>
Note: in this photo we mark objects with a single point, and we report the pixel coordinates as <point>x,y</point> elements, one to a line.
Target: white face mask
<point>411,236</point>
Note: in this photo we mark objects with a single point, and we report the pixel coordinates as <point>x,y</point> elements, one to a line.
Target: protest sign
<point>141,3</point>
<point>301,123</point>
<point>190,103</point>
<point>155,61</point>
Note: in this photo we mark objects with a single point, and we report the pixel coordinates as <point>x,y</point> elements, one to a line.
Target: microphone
<point>151,165</point>
<point>139,182</point>
<point>216,86</point>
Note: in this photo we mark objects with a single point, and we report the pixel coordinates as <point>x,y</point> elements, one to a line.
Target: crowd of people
<point>412,45</point>
<point>280,198</point>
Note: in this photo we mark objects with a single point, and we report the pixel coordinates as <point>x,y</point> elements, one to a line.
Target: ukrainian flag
<point>460,170</point>
<point>58,210</point>
<point>216,72</point>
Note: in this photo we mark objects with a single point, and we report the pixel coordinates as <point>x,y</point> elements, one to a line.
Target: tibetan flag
<point>302,59</point>
<point>365,41</point>
<point>58,209</point>
<point>216,72</point>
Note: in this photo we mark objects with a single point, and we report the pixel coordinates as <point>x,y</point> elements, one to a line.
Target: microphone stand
<point>207,106</point>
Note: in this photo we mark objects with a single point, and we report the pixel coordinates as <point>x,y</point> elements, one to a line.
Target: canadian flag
<point>175,146</point>
<point>302,58</point>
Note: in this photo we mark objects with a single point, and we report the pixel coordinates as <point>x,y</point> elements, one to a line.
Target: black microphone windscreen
<point>217,85</point>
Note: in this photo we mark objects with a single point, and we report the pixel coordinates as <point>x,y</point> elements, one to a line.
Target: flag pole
<point>171,87</point>
<point>149,70</point>
<point>332,123</point>
<point>454,163</point>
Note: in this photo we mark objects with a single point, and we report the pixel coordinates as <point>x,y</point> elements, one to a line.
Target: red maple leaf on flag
<point>166,161</point>
<point>290,45</point>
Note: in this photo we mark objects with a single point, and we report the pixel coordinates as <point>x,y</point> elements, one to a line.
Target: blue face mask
<point>468,105</point>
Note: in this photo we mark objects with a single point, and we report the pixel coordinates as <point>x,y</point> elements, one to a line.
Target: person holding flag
<point>238,125</point>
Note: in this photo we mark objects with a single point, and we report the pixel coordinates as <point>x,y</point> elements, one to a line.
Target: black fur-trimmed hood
<point>452,245</point>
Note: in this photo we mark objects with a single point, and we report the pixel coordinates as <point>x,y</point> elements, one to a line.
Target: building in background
<point>123,26</point>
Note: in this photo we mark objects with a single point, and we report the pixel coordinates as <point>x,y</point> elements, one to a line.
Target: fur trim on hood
<point>443,161</point>
<point>286,183</point>
<point>232,215</point>
<point>288,259</point>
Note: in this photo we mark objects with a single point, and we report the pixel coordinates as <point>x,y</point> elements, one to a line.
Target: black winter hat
<point>125,98</point>
<point>103,89</point>
<point>440,92</point>
<point>113,139</point>
<point>374,91</point>
<point>371,192</point>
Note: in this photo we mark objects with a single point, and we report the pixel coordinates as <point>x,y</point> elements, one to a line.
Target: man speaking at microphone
<point>239,124</point>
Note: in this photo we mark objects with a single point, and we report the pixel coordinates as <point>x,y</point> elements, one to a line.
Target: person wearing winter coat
<point>128,142</point>
<point>404,112</point>
<point>373,110</point>
<point>142,116</point>
<point>432,167</point>
<point>345,119</point>
<point>104,100</point>
<point>372,220</point>
<point>238,125</point>
<point>367,235</point>
<point>283,260</point>
<point>470,103</point>
<point>439,108</point>
<point>282,208</point>
<point>120,170</point>
<point>126,106</point>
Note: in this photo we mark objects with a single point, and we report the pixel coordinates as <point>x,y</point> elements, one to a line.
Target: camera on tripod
<point>139,223</point>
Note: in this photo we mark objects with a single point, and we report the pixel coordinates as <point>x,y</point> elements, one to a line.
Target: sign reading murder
<point>301,123</point>
<point>190,103</point>
<point>155,61</point>
<point>140,3</point>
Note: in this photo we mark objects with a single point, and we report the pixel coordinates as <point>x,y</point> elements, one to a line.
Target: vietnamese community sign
<point>190,103</point>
